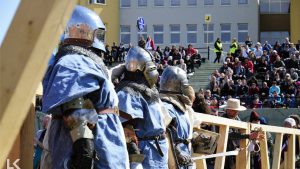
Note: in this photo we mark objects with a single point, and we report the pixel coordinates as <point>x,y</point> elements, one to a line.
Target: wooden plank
<point>275,129</point>
<point>291,152</point>
<point>220,121</point>
<point>27,133</point>
<point>24,54</point>
<point>264,153</point>
<point>201,164</point>
<point>222,146</point>
<point>277,151</point>
<point>243,158</point>
<point>14,153</point>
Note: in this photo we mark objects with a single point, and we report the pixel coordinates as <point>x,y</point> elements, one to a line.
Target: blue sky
<point>7,12</point>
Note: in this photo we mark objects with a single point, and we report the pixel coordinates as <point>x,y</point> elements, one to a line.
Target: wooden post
<point>291,152</point>
<point>200,164</point>
<point>264,153</point>
<point>222,145</point>
<point>27,139</point>
<point>24,54</point>
<point>243,158</point>
<point>277,151</point>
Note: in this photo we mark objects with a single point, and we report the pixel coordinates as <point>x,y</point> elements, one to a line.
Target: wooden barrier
<point>243,158</point>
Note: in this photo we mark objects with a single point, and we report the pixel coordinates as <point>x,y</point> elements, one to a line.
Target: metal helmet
<point>174,80</point>
<point>85,27</point>
<point>138,58</point>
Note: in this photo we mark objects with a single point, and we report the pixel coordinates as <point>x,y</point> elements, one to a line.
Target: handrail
<point>243,159</point>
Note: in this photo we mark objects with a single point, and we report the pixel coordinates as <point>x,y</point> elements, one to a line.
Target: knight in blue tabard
<point>86,131</point>
<point>141,110</point>
<point>177,97</point>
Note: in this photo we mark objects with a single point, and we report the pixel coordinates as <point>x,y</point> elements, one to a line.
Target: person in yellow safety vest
<point>218,50</point>
<point>233,47</point>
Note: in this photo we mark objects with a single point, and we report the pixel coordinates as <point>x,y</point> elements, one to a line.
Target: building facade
<point>109,11</point>
<point>183,22</point>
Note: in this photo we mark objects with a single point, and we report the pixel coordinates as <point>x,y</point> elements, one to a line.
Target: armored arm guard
<point>76,120</point>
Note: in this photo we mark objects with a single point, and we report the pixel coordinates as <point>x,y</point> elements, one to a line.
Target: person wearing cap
<point>232,110</point>
<point>289,123</point>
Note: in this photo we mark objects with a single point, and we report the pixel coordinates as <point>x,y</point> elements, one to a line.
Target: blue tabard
<point>73,76</point>
<point>149,122</point>
<point>183,126</point>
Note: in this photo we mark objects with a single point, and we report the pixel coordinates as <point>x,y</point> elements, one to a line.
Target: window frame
<point>159,5</point>
<point>195,5</point>
<point>125,6</point>
<point>225,4</point>
<point>205,4</point>
<point>242,31</point>
<point>246,2</point>
<point>125,33</point>
<point>158,33</point>
<point>174,32</point>
<point>175,5</point>
<point>191,32</point>
<point>225,32</point>
<point>143,6</point>
<point>269,6</point>
<point>208,32</point>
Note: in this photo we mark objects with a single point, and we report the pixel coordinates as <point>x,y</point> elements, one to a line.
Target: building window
<point>175,34</point>
<point>191,33</point>
<point>97,2</point>
<point>142,33</point>
<point>159,3</point>
<point>208,2</point>
<point>225,2</point>
<point>208,33</point>
<point>175,2</point>
<point>274,6</point>
<point>158,34</point>
<point>125,34</point>
<point>272,37</point>
<point>243,2</point>
<point>226,32</point>
<point>125,3</point>
<point>242,32</point>
<point>142,3</point>
<point>192,2</point>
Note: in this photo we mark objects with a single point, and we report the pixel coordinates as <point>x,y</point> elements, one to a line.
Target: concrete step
<point>200,79</point>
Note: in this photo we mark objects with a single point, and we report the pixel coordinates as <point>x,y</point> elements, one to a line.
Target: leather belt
<point>162,136</point>
<point>184,141</point>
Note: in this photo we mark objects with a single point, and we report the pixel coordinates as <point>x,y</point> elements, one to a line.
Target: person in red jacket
<point>191,51</point>
<point>249,67</point>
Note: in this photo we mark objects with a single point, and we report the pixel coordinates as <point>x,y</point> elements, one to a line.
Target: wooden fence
<point>243,158</point>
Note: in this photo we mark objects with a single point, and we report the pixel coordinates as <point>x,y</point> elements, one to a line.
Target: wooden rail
<point>243,158</point>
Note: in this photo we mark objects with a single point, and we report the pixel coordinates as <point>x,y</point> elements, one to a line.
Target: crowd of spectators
<point>260,76</point>
<point>186,58</point>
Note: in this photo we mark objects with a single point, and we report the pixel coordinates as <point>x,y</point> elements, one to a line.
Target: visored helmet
<point>138,59</point>
<point>85,28</point>
<point>173,80</point>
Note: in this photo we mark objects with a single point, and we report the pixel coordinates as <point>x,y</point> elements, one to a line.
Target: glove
<point>184,160</point>
<point>83,154</point>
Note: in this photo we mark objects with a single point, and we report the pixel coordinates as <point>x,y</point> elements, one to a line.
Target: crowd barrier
<point>243,157</point>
